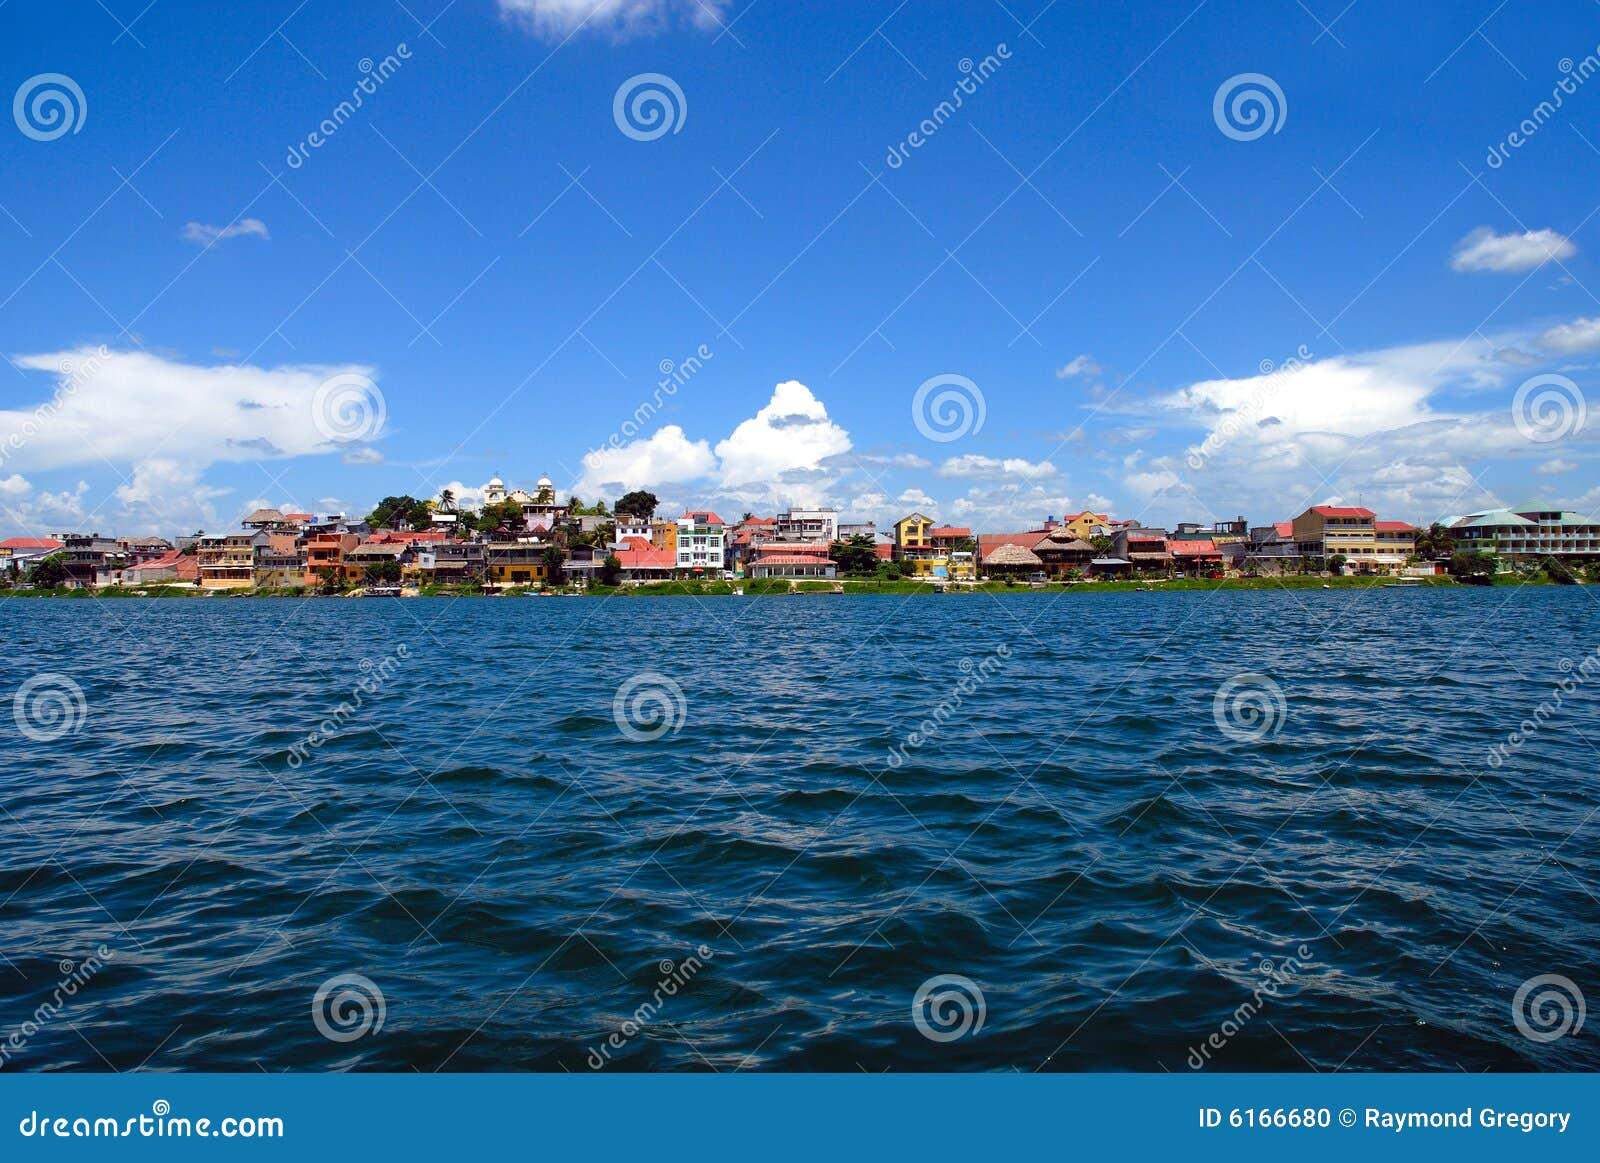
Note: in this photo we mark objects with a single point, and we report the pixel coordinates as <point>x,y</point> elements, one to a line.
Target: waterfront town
<point>531,540</point>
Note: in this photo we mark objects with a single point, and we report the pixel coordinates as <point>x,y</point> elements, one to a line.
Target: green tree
<point>1336,564</point>
<point>855,555</point>
<point>1467,563</point>
<point>1435,542</point>
<point>384,573</point>
<point>505,515</point>
<point>554,559</point>
<point>405,509</point>
<point>638,503</point>
<point>49,573</point>
<point>611,570</point>
<point>1102,544</point>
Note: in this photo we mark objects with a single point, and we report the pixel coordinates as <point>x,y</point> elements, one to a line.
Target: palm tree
<point>447,500</point>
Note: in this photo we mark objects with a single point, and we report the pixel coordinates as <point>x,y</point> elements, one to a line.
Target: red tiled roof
<point>186,565</point>
<point>794,559</point>
<point>388,537</point>
<point>297,516</point>
<point>31,543</point>
<point>949,531</point>
<point>791,547</point>
<point>1193,549</point>
<point>1284,528</point>
<point>1338,511</point>
<point>1394,527</point>
<point>710,517</point>
<point>637,553</point>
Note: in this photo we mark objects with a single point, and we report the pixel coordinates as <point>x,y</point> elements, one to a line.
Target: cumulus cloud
<point>1574,338</point>
<point>791,432</point>
<point>666,456</point>
<point>366,454</point>
<point>979,467</point>
<point>622,18</point>
<point>1484,250</point>
<point>1082,365</point>
<point>119,406</point>
<point>1555,467</point>
<point>202,233</point>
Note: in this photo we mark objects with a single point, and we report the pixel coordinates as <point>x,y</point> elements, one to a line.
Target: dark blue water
<point>1075,835</point>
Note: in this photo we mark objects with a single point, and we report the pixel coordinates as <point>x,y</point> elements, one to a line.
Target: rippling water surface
<point>1074,835</point>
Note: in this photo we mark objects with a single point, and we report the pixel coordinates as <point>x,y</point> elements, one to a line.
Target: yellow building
<point>934,550</point>
<point>664,536</point>
<point>226,563</point>
<point>1355,534</point>
<point>1085,525</point>
<point>515,563</point>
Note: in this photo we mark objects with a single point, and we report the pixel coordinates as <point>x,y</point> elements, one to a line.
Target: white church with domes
<point>540,510</point>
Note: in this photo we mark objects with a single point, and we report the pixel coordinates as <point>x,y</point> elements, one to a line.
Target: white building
<point>702,540</point>
<point>809,525</point>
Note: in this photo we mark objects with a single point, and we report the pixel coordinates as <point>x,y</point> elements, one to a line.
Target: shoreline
<point>844,588</point>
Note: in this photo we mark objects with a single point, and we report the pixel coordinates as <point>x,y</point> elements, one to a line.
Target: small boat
<point>382,592</point>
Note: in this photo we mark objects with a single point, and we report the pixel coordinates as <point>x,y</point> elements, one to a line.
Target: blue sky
<point>1081,246</point>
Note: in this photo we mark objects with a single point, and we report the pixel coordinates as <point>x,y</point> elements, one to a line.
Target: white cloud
<point>366,454</point>
<point>918,499</point>
<point>666,456</point>
<point>1082,365</point>
<point>1574,338</point>
<point>979,467</point>
<point>620,17</point>
<point>791,433</point>
<point>119,406</point>
<point>15,485</point>
<point>1555,467</point>
<point>202,233</point>
<point>1484,250</point>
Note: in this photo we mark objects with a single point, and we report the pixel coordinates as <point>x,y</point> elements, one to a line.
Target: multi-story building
<point>325,555</point>
<point>791,560</point>
<point>228,560</point>
<point>280,558</point>
<point>700,542</point>
<point>1267,549</point>
<point>450,562</point>
<point>137,550</point>
<point>1141,548</point>
<point>664,536</point>
<point>814,526</point>
<point>1353,532</point>
<point>934,550</point>
<point>1527,533</point>
<point>628,526</point>
<point>515,563</point>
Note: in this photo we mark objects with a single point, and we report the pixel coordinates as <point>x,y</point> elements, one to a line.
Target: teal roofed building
<point>1527,533</point>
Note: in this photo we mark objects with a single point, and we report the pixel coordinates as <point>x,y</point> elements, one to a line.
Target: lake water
<point>1114,831</point>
